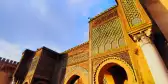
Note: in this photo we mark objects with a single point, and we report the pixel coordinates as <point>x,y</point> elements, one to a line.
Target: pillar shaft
<point>154,60</point>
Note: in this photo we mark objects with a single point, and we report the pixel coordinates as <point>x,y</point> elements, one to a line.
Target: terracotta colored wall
<point>4,78</point>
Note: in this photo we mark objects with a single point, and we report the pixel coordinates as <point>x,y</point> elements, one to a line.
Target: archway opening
<point>75,79</point>
<point>26,83</point>
<point>112,74</point>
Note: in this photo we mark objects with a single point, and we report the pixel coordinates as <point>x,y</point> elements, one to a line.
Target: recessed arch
<point>75,79</point>
<point>107,69</point>
<point>112,74</point>
<point>26,83</point>
<point>41,82</point>
<point>76,72</point>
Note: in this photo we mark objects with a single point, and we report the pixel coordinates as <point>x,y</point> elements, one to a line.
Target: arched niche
<point>114,71</point>
<point>76,74</point>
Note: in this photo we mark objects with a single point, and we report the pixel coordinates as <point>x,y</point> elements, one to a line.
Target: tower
<point>123,48</point>
<point>7,68</point>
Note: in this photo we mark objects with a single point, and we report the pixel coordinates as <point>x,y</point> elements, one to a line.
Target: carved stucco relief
<point>107,36</point>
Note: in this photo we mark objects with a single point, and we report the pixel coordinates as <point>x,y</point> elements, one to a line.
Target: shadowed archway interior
<point>75,79</point>
<point>113,74</point>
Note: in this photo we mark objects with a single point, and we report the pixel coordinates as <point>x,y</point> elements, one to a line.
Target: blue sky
<point>56,24</point>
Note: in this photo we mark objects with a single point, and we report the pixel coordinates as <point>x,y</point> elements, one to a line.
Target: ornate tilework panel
<point>78,58</point>
<point>132,13</point>
<point>107,36</point>
<point>124,56</point>
<point>76,67</point>
<point>112,13</point>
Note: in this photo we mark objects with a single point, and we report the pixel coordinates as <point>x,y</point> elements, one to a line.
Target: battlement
<point>8,62</point>
<point>7,67</point>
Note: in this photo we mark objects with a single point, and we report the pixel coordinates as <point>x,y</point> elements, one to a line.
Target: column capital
<point>143,38</point>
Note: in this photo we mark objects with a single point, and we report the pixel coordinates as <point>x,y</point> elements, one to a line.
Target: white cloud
<point>39,6</point>
<point>13,51</point>
<point>9,50</point>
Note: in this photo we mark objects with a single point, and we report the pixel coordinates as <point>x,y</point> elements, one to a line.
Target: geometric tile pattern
<point>132,13</point>
<point>107,36</point>
<point>78,58</point>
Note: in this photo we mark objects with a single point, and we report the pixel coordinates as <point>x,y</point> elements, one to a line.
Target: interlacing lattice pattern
<point>124,56</point>
<point>76,67</point>
<point>107,36</point>
<point>132,13</point>
<point>78,58</point>
<point>112,13</point>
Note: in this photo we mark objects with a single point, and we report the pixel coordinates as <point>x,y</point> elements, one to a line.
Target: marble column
<point>154,60</point>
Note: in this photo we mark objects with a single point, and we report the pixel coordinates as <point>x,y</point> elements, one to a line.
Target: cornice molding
<point>102,13</point>
<point>74,48</point>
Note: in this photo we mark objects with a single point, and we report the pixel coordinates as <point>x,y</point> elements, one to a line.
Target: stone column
<point>154,60</point>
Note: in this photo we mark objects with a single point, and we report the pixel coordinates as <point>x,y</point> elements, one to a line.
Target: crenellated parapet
<point>7,68</point>
<point>7,65</point>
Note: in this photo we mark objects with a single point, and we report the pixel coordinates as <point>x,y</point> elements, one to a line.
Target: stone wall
<point>7,68</point>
